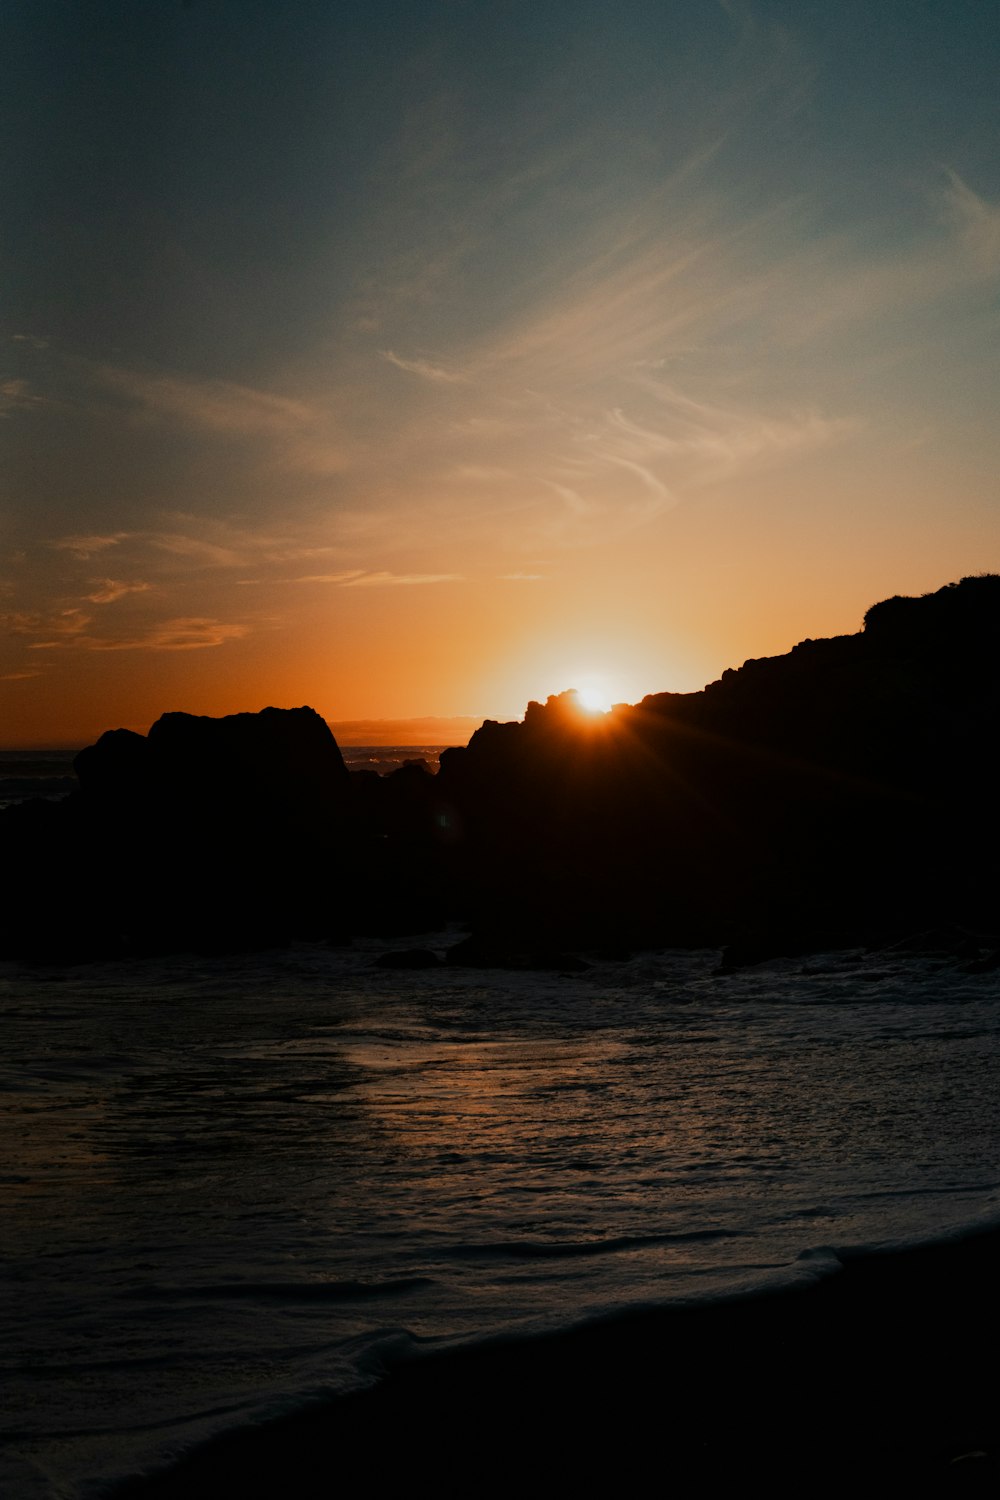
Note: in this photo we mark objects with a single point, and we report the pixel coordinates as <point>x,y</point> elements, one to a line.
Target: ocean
<point>49,773</point>
<point>236,1185</point>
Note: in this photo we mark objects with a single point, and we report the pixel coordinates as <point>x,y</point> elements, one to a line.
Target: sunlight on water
<point>226,1181</point>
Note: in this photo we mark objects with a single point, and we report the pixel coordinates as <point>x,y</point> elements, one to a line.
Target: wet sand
<point>881,1379</point>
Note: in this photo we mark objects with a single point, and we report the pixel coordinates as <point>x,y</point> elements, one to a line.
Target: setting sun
<point>593,701</point>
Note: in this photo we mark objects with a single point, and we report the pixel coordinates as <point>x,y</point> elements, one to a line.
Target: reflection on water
<point>225,1180</point>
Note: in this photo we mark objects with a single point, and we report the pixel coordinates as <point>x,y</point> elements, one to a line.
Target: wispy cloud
<point>198,551</point>
<point>18,395</point>
<point>424,368</point>
<point>55,628</point>
<point>190,565</point>
<point>618,378</point>
<point>483,473</point>
<point>347,576</point>
<point>217,405</point>
<point>108,590</point>
<point>359,578</point>
<point>836,285</point>
<point>390,580</point>
<point>188,633</point>
<point>70,629</point>
<point>574,380</point>
<point>661,495</point>
<point>300,432</point>
<point>715,440</point>
<point>205,543</point>
<point>572,498</point>
<point>86,547</point>
<point>977,222</point>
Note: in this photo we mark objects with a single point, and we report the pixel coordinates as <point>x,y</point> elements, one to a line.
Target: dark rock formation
<point>500,951</point>
<point>283,761</point>
<point>844,791</point>
<point>408,958</point>
<point>207,832</point>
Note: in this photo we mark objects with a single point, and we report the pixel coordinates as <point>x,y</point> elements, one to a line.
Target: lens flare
<point>593,701</point>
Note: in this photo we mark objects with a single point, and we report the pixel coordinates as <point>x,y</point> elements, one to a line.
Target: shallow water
<point>229,1183</point>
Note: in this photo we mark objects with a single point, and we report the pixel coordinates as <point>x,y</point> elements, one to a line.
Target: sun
<point>593,701</point>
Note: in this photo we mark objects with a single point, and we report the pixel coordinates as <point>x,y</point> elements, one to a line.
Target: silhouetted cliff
<point>845,790</point>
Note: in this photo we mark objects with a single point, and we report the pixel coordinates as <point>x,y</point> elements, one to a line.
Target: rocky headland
<point>846,791</point>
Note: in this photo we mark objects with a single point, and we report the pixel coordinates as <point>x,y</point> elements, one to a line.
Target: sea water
<point>49,774</point>
<point>232,1185</point>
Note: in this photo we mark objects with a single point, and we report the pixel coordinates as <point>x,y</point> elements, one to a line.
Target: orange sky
<point>424,370</point>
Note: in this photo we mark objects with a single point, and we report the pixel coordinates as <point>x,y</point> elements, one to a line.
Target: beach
<point>279,1222</point>
<point>877,1379</point>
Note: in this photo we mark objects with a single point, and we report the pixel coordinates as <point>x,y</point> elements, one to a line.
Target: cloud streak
<point>110,590</point>
<point>437,374</point>
<point>186,633</point>
<point>18,395</point>
<point>86,547</point>
<point>977,222</point>
<point>397,580</point>
<point>214,405</point>
<point>299,433</point>
<point>56,628</point>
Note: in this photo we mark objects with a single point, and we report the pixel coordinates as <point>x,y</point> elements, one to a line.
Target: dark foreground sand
<point>880,1380</point>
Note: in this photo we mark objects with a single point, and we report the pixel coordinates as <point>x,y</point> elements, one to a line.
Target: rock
<point>409,958</point>
<point>492,953</point>
<point>848,786</point>
<point>213,833</point>
<point>841,792</point>
<point>283,762</point>
<point>117,769</point>
<point>988,964</point>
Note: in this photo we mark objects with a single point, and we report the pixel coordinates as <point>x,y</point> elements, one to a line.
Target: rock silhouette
<point>206,833</point>
<point>844,791</point>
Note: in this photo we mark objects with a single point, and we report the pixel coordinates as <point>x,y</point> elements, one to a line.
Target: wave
<point>287,1291</point>
<point>869,1367</point>
<point>571,1250</point>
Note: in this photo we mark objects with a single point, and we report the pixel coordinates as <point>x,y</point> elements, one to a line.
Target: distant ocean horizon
<point>49,774</point>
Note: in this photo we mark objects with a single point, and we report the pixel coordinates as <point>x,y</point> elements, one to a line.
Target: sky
<point>423,357</point>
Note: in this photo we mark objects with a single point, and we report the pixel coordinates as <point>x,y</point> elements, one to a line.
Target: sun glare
<point>593,701</point>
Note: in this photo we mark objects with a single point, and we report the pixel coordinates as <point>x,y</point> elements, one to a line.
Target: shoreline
<point>876,1378</point>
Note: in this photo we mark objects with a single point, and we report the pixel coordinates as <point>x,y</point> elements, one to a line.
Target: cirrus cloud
<point>108,590</point>
<point>188,633</point>
<point>424,368</point>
